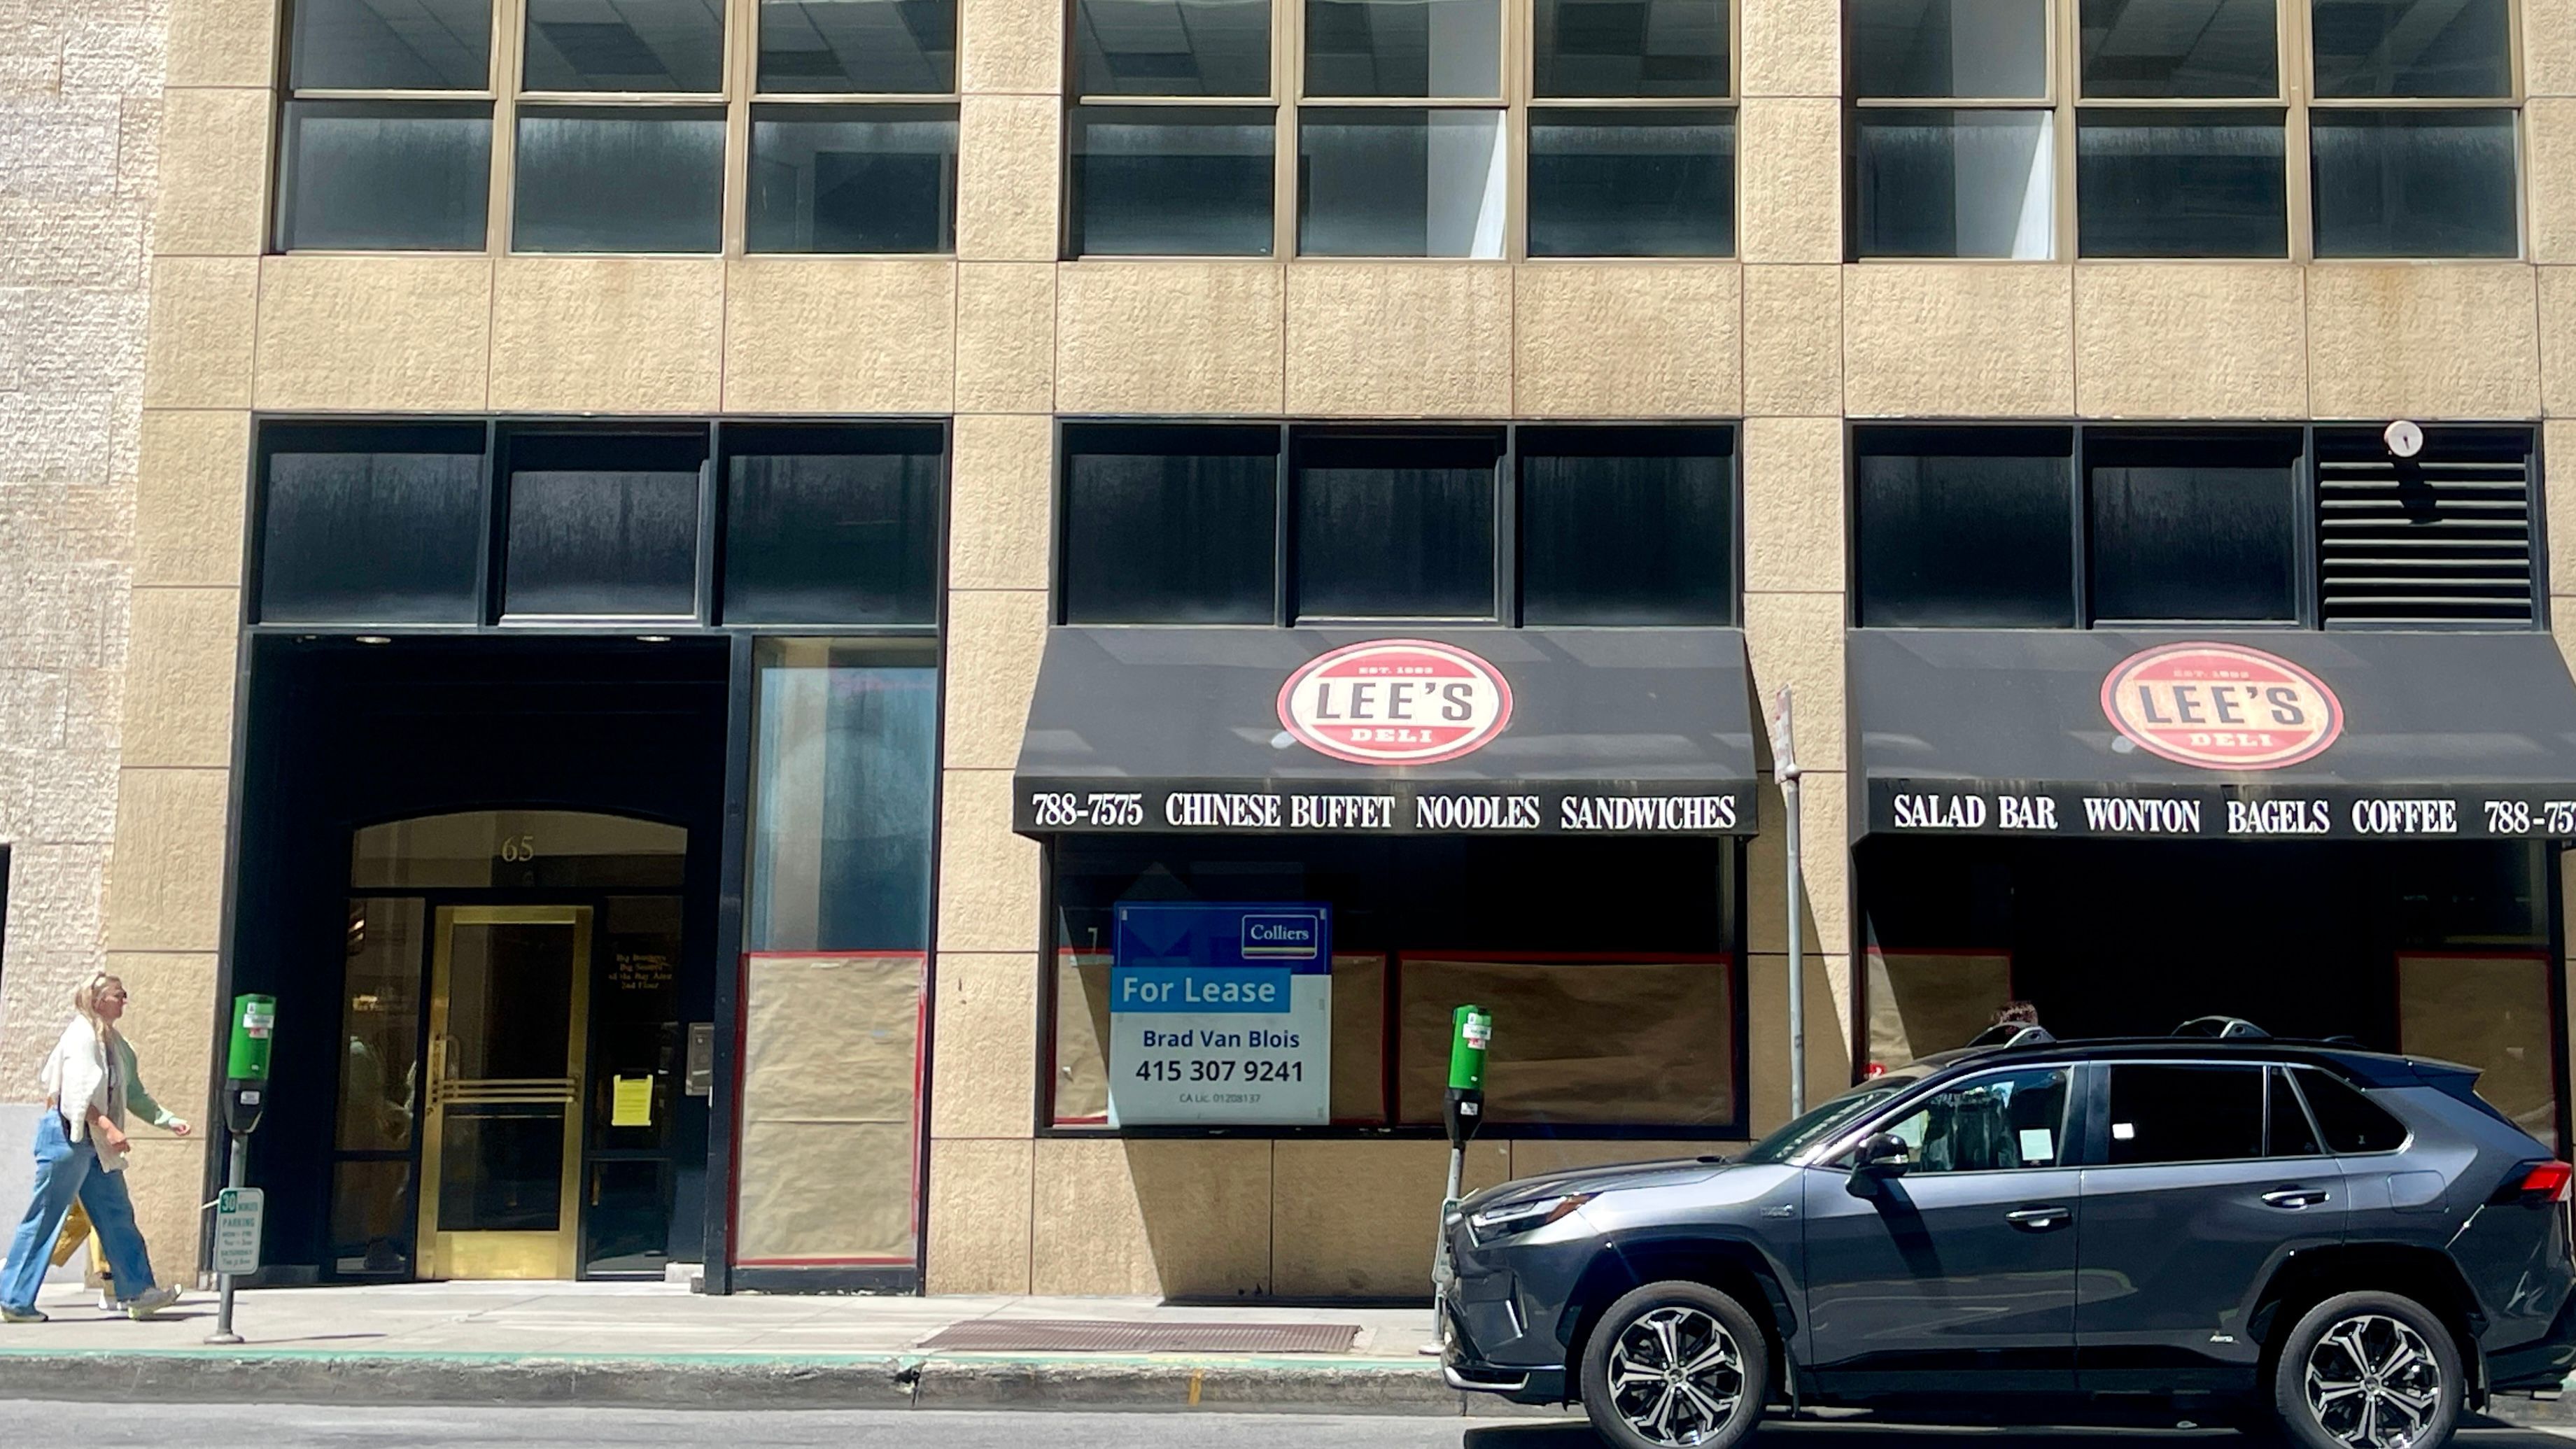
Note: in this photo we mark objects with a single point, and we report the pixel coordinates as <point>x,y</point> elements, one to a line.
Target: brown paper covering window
<point>2488,1012</point>
<point>830,1089</point>
<point>1921,1002</point>
<point>1577,1042</point>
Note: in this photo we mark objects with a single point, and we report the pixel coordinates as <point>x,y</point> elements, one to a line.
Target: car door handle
<point>2039,1219</point>
<point>2295,1197</point>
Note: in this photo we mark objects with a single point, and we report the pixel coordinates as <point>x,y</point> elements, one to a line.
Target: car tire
<point>2368,1371</point>
<point>1719,1362</point>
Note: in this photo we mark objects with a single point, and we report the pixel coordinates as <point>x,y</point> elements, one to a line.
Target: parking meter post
<point>245,1100</point>
<point>1471,1030</point>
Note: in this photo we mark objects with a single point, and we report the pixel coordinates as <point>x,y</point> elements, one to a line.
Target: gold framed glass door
<point>501,1156</point>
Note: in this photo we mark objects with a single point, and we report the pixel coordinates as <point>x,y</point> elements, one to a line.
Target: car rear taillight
<point>2536,1183</point>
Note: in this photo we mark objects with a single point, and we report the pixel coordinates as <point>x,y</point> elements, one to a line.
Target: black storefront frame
<point>1507,507</point>
<point>720,1276</point>
<point>2305,561</point>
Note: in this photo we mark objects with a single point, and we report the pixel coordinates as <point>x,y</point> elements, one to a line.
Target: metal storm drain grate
<point>1038,1335</point>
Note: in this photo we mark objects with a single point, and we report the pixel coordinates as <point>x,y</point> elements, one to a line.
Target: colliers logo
<point>2221,707</point>
<point>1396,702</point>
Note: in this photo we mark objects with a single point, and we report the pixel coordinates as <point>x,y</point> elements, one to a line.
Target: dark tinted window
<point>2198,529</point>
<point>2287,1133</point>
<point>2155,48</point>
<point>1165,181</point>
<point>1965,527</point>
<point>1393,527</point>
<point>374,176</point>
<point>391,45</point>
<point>634,45</point>
<point>1169,525</point>
<point>2412,48</point>
<point>2180,184</point>
<point>1162,48</point>
<point>2425,183</point>
<point>1403,47</point>
<point>2351,1122</point>
<point>831,525</point>
<point>879,179</point>
<point>2185,1113</point>
<point>603,525</point>
<point>620,180</point>
<point>371,525</point>
<point>858,45</point>
<point>1967,49</point>
<point>1631,183</point>
<point>1630,47</point>
<point>2009,1120</point>
<point>1397,182</point>
<point>1627,526</point>
<point>1974,183</point>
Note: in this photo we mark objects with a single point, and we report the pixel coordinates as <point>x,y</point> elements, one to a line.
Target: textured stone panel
<point>1627,340</point>
<point>1170,337</point>
<point>988,877</point>
<point>984,1057</point>
<point>214,173</point>
<point>171,999</point>
<point>1007,169</point>
<point>1010,47</point>
<point>165,883</point>
<point>1792,47</point>
<point>1958,340</point>
<point>1793,340</point>
<point>1793,505</point>
<point>2411,340</point>
<point>607,334</point>
<point>2549,47</point>
<point>2558,340</point>
<point>222,42</point>
<point>2217,340</point>
<point>840,335</point>
<point>179,677</point>
<point>1399,339</point>
<point>189,498</point>
<point>1001,480</point>
<point>1175,1218</point>
<point>203,317</point>
<point>1828,1029</point>
<point>2558,440</point>
<point>1797,640</point>
<point>1006,338</point>
<point>1354,1219</point>
<point>2549,166</point>
<point>1789,167</point>
<point>1824,852</point>
<point>979,1217</point>
<point>374,333</point>
<point>994,640</point>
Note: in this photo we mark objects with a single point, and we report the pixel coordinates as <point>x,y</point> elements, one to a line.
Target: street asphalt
<point>355,1426</point>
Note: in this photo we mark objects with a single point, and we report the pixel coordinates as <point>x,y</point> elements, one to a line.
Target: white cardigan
<point>76,1079</point>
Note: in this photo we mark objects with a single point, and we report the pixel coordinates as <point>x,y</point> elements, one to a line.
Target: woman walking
<point>80,1156</point>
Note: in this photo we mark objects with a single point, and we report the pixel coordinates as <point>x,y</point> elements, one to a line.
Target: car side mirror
<point>1881,1154</point>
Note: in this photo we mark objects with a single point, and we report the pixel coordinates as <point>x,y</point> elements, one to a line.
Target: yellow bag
<point>75,1230</point>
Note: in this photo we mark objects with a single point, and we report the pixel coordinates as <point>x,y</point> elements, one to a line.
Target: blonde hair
<point>85,1000</point>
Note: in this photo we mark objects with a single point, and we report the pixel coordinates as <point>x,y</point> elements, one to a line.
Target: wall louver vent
<point>2441,538</point>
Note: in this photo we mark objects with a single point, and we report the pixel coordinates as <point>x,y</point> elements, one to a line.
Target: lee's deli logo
<point>2221,707</point>
<point>1396,702</point>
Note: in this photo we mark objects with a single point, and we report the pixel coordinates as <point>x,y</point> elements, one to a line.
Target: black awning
<point>2246,735</point>
<point>1389,731</point>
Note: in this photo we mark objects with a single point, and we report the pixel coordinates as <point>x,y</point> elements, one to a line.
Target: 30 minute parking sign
<point>1221,1014</point>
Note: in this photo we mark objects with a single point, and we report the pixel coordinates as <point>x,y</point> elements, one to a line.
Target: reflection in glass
<point>391,45</point>
<point>889,46</point>
<point>1172,47</point>
<point>1395,527</point>
<point>2412,48</point>
<point>603,526</point>
<point>371,1218</point>
<point>380,1026</point>
<point>1401,183</point>
<point>1631,183</point>
<point>625,45</point>
<point>1404,48</point>
<point>623,180</point>
<point>349,534</point>
<point>1156,181</point>
<point>2180,184</point>
<point>1954,184</point>
<point>1965,528</point>
<point>1627,526</point>
<point>2181,48</point>
<point>1630,47</point>
<point>2201,531</point>
<point>844,753</point>
<point>1169,525</point>
<point>373,176</point>
<point>845,534</point>
<point>1967,49</point>
<point>878,179</point>
<point>2414,183</point>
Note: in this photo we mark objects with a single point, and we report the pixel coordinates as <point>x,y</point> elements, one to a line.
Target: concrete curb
<point>722,1381</point>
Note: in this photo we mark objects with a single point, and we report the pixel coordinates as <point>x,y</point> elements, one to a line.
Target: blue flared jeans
<point>67,1171</point>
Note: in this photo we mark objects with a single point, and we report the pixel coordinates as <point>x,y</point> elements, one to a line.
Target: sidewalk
<point>660,1344</point>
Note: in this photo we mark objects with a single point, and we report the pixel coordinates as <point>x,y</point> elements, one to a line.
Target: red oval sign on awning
<point>2221,707</point>
<point>1396,702</point>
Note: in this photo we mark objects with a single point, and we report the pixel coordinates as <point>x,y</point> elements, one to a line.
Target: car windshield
<point>1824,1121</point>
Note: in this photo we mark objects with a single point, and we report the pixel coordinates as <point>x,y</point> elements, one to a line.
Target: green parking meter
<point>246,1068</point>
<point>1471,1031</point>
<point>240,1210</point>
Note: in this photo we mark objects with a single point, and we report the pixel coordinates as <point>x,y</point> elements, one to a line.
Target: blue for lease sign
<point>1221,1014</point>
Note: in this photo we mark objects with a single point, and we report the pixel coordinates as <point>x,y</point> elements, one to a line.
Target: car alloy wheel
<point>1676,1376</point>
<point>2373,1383</point>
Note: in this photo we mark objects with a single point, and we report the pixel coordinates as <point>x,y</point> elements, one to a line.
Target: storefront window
<point>845,754</point>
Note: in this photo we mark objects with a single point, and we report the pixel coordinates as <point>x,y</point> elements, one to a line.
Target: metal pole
<point>1797,958</point>
<point>234,1178</point>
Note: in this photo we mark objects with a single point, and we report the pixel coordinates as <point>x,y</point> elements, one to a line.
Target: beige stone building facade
<point>1794,340</point>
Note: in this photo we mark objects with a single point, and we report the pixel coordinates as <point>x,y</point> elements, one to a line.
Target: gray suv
<point>2352,1244</point>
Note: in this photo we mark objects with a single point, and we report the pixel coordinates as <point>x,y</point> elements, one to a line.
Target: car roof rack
<point>2222,1027</point>
<point>2012,1034</point>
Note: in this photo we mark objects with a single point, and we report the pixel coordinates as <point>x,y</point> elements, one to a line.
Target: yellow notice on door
<point>630,1102</point>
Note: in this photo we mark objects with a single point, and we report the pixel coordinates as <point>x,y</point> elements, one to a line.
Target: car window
<point>2185,1113</point>
<point>2010,1119</point>
<point>2351,1122</point>
<point>1824,1120</point>
<point>2286,1132</point>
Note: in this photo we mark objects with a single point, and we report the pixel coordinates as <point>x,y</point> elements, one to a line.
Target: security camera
<point>2404,439</point>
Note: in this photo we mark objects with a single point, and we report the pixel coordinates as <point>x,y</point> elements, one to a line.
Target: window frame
<point>1507,612</point>
<point>1515,102</point>
<point>505,93</point>
<point>2294,96</point>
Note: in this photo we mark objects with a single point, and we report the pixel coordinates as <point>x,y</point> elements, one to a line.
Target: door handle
<point>2295,1197</point>
<point>2039,1219</point>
